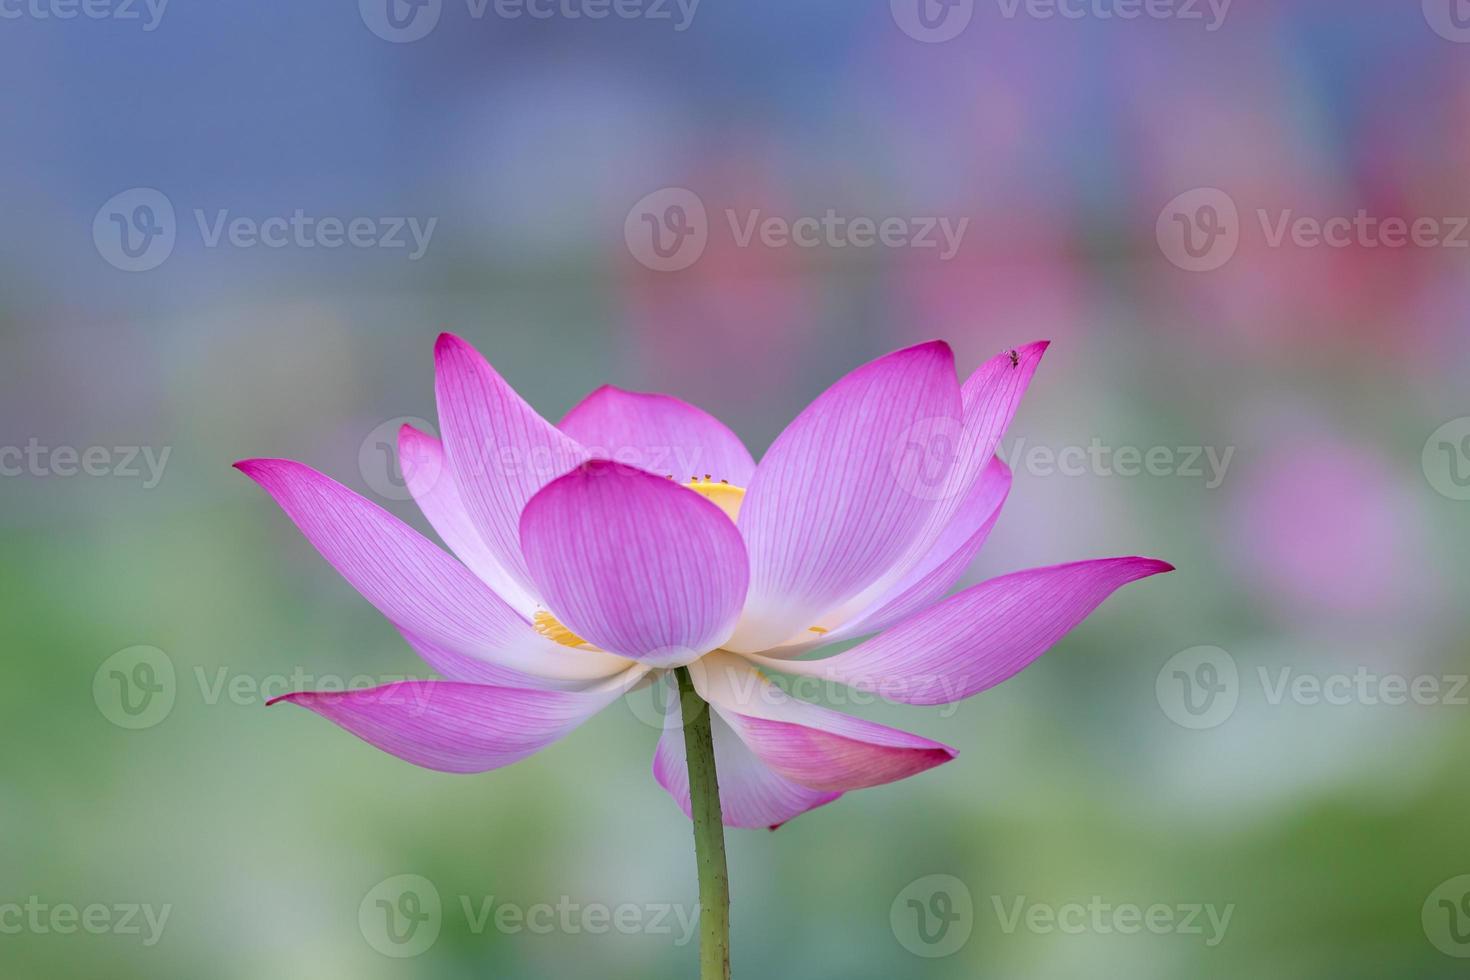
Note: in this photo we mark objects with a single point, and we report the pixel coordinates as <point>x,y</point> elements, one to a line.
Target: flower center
<point>724,495</point>
<point>551,628</point>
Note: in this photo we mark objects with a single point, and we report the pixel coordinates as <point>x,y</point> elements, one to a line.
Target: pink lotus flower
<point>589,562</point>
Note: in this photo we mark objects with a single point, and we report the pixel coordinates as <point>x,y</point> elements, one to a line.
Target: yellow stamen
<point>548,626</point>
<point>818,629</point>
<point>724,495</point>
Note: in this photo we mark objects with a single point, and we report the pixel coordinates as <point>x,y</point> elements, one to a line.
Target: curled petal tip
<point>1143,565</point>
<point>594,397</point>
<point>940,347</point>
<point>931,348</point>
<point>612,389</point>
<point>1028,352</point>
<point>265,467</point>
<point>251,467</point>
<point>447,343</point>
<point>933,758</point>
<point>940,753</point>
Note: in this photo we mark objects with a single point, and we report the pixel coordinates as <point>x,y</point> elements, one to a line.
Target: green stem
<point>709,834</point>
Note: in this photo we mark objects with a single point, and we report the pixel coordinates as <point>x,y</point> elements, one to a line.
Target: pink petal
<point>937,572</point>
<point>456,727</point>
<point>635,563</point>
<point>433,487</point>
<point>932,576</point>
<point>752,794</point>
<point>990,397</point>
<point>829,510</point>
<point>658,433</point>
<point>455,666</point>
<point>805,743</point>
<point>419,588</point>
<point>500,451</point>
<point>976,639</point>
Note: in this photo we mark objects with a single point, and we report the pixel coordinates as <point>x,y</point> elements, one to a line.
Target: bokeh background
<point>1329,540</point>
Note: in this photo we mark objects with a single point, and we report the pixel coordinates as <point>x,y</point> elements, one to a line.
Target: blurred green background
<point>1321,556</point>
